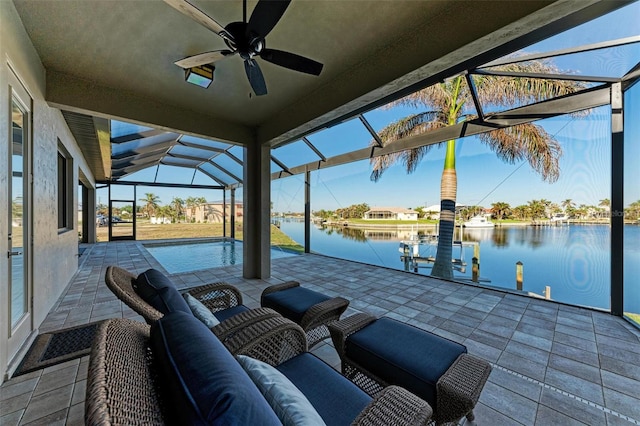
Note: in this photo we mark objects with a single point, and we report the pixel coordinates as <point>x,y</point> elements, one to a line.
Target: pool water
<point>186,257</point>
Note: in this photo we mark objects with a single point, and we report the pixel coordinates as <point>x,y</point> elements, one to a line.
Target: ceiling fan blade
<point>291,61</point>
<point>256,79</point>
<point>265,16</point>
<point>188,9</point>
<point>203,58</point>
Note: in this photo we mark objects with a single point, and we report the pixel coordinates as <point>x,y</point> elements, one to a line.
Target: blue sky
<point>482,177</point>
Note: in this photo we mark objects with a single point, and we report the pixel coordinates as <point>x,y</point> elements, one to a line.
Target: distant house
<point>433,211</point>
<point>159,220</point>
<point>391,213</point>
<point>211,212</point>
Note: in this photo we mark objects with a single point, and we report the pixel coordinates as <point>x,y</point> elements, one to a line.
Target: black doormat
<point>58,346</point>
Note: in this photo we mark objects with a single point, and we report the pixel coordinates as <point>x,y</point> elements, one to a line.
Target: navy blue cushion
<point>403,355</point>
<point>335,398</point>
<point>229,312</point>
<point>160,292</point>
<point>293,302</point>
<point>200,379</point>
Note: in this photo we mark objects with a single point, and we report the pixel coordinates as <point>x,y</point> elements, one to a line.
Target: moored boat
<point>478,222</point>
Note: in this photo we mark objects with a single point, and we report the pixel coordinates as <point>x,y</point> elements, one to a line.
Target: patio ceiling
<point>129,84</point>
<point>136,148</point>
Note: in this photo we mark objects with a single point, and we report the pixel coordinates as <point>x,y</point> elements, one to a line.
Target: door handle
<point>14,253</point>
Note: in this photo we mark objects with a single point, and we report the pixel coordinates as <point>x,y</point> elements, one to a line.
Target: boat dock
<point>414,258</point>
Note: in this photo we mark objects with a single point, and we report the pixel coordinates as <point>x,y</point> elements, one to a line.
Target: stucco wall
<point>54,254</point>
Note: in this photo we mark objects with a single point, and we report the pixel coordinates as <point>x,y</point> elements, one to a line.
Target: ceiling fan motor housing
<point>247,45</point>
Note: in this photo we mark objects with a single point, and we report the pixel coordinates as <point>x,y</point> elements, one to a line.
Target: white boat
<point>559,217</point>
<point>478,222</point>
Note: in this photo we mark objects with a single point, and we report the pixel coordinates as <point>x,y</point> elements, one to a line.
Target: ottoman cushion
<point>293,302</point>
<point>403,355</point>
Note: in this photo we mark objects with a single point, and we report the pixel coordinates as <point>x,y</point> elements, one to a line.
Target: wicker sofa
<point>177,372</point>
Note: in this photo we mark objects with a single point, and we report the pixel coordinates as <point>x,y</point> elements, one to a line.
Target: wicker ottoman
<point>376,353</point>
<point>311,310</point>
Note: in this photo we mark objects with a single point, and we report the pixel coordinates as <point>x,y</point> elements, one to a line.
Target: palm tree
<point>450,102</point>
<point>568,203</point>
<point>521,211</point>
<point>537,209</point>
<point>178,204</point>
<point>150,201</point>
<point>500,209</point>
<point>190,203</point>
<point>606,205</point>
<point>633,211</point>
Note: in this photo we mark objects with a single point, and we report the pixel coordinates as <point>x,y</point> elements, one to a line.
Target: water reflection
<point>376,234</point>
<point>573,260</point>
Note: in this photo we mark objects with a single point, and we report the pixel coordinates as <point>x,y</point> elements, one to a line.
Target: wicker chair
<point>122,384</point>
<point>215,296</point>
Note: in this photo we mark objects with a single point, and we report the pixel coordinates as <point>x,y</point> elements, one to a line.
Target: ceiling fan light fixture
<point>200,76</point>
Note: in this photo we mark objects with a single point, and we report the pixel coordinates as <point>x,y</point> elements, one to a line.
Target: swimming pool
<point>193,256</point>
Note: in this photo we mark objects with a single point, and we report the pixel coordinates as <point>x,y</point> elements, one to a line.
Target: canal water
<point>573,260</point>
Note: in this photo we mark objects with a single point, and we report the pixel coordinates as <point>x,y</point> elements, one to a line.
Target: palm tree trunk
<point>443,267</point>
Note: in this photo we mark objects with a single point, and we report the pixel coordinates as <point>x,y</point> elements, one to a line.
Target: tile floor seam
<point>567,394</point>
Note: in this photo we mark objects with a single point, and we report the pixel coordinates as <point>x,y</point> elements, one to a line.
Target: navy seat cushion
<point>229,312</point>
<point>335,398</point>
<point>201,381</point>
<point>160,292</point>
<point>403,355</point>
<point>293,302</point>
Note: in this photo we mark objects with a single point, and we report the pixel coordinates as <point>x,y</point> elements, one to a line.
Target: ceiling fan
<point>247,39</point>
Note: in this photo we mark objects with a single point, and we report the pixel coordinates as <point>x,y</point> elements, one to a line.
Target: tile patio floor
<point>552,364</point>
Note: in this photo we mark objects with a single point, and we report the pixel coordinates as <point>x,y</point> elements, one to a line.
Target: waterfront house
<point>390,213</point>
<point>212,212</point>
<point>90,95</point>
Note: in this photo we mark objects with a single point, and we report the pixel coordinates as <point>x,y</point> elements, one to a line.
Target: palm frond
<point>435,97</point>
<point>527,142</point>
<point>413,125</point>
<point>514,91</point>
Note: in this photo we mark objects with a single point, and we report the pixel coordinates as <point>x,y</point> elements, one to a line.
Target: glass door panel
<point>18,306</point>
<point>17,236</point>
<point>122,220</point>
<point>631,251</point>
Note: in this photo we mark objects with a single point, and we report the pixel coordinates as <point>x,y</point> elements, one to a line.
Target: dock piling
<point>519,275</point>
<point>475,269</point>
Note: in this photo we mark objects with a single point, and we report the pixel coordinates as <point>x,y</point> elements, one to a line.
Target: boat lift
<point>413,259</point>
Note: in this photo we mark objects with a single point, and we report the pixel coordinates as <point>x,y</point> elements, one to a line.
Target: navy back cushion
<point>335,398</point>
<point>293,302</point>
<point>160,292</point>
<point>403,355</point>
<point>200,380</point>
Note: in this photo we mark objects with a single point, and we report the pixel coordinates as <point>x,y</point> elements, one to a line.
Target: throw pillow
<point>200,311</point>
<point>286,400</point>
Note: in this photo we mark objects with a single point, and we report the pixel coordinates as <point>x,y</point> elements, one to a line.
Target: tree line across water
<point>533,211</point>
